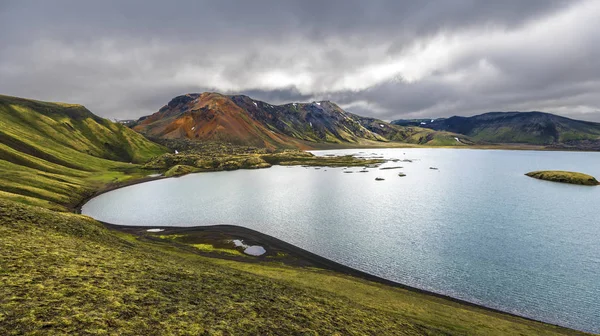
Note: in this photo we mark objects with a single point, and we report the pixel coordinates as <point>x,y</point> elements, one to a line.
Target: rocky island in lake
<point>564,177</point>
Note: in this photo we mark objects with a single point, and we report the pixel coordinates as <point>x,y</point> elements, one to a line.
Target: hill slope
<point>520,127</point>
<point>66,274</point>
<point>243,120</point>
<point>50,151</point>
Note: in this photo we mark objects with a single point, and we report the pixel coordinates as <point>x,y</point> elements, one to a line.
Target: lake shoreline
<point>76,208</point>
<point>311,259</point>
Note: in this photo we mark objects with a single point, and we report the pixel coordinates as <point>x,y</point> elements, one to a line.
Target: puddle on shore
<point>155,230</point>
<point>253,250</point>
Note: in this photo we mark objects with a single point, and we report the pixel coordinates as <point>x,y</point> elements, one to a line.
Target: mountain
<point>243,120</point>
<point>49,150</point>
<point>537,128</point>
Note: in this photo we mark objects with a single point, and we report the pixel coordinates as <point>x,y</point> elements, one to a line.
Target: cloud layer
<point>388,59</point>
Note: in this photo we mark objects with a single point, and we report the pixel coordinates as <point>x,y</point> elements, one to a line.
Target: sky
<point>384,59</point>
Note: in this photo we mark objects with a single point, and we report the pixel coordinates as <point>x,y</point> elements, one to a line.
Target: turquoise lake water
<point>475,229</point>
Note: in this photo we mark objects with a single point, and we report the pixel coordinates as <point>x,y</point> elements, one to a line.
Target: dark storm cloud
<point>388,59</point>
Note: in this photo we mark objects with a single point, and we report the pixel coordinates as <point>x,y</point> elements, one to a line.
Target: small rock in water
<point>255,250</point>
<point>379,179</point>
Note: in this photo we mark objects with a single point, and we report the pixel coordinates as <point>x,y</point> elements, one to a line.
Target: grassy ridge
<point>58,153</point>
<point>61,133</point>
<point>535,128</point>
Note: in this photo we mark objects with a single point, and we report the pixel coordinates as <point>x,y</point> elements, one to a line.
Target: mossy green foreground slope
<point>63,273</point>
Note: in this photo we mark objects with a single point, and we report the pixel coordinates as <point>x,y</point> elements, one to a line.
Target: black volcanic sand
<point>221,236</point>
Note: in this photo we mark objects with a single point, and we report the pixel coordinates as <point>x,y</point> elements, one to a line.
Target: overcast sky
<point>387,59</point>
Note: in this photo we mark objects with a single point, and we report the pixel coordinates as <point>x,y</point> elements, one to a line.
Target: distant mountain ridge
<point>538,128</point>
<point>242,120</point>
<point>414,122</point>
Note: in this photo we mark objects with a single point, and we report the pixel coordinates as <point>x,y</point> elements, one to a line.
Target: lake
<point>476,229</point>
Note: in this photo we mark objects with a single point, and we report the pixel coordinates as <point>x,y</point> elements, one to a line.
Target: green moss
<point>31,201</point>
<point>254,162</point>
<point>564,177</point>
<point>278,255</point>
<point>211,248</point>
<point>236,157</point>
<point>66,134</point>
<point>179,170</point>
<point>171,237</point>
<point>60,153</point>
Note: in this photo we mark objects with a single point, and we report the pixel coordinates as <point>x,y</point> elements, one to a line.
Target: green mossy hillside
<point>56,132</point>
<point>179,170</point>
<point>564,177</point>
<point>59,153</point>
<point>63,273</point>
